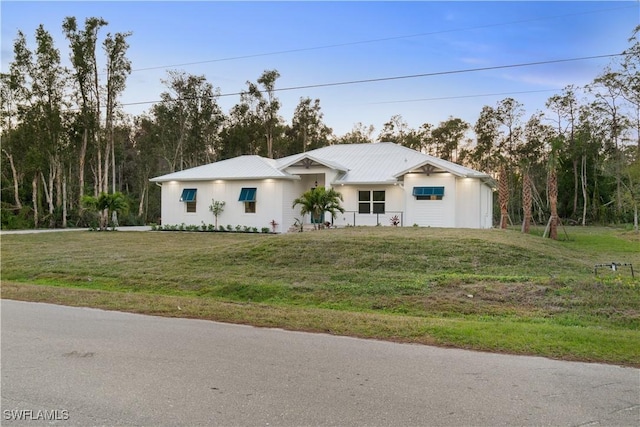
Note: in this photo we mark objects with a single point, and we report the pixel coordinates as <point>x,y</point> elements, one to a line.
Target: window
<point>249,207</point>
<point>248,197</point>
<point>364,202</point>
<point>378,202</point>
<point>189,198</point>
<point>371,202</point>
<point>428,193</point>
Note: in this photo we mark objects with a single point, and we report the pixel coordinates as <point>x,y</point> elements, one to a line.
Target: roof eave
<point>244,178</point>
<point>323,162</point>
<point>419,165</point>
<point>386,182</point>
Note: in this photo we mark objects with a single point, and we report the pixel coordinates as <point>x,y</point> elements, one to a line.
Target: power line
<point>479,95</point>
<point>361,42</point>
<point>410,76</point>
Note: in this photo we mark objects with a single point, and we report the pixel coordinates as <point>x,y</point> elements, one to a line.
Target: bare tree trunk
<point>103,168</point>
<point>48,194</point>
<point>553,203</point>
<point>81,163</point>
<point>141,205</point>
<point>503,197</point>
<point>58,178</point>
<point>64,200</point>
<point>526,202</point>
<point>14,174</point>
<point>100,176</point>
<point>113,164</point>
<point>177,163</point>
<point>575,187</point>
<point>96,182</point>
<point>34,196</point>
<point>107,158</point>
<point>583,176</point>
<point>269,146</point>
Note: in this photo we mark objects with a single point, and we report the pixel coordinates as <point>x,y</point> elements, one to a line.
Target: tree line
<point>65,137</point>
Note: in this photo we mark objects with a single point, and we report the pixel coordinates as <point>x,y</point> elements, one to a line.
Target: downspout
<point>481,223</point>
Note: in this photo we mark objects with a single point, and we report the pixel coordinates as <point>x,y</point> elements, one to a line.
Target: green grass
<point>490,290</point>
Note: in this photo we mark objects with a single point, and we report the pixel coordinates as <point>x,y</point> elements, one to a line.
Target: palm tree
<point>105,205</point>
<point>317,201</point>
<point>552,183</point>
<point>527,200</point>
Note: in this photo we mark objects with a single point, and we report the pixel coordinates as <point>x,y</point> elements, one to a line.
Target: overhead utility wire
<point>478,95</point>
<point>440,73</point>
<point>409,76</point>
<point>355,43</point>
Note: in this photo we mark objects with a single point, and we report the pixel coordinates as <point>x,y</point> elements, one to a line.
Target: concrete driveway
<point>77,366</point>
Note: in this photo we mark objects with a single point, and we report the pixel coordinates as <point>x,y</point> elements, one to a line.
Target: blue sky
<point>313,43</point>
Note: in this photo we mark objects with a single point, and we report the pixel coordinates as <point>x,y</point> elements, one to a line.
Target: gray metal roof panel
<point>242,167</point>
<point>371,163</point>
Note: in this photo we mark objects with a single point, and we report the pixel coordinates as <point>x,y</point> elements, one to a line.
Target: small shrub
<point>238,227</point>
<point>265,230</point>
<point>229,227</point>
<point>211,227</point>
<point>221,228</point>
<point>254,229</point>
<point>203,227</point>
<point>13,219</point>
<point>217,207</point>
<point>246,228</point>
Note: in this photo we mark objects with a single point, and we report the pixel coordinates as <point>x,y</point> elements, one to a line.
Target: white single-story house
<point>377,181</point>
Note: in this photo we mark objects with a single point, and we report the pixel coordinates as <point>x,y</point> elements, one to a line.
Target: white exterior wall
<point>174,212</point>
<point>475,204</point>
<point>468,201</point>
<point>324,176</point>
<point>394,205</point>
<point>430,213</point>
<point>486,206</point>
<point>291,191</point>
<point>269,202</point>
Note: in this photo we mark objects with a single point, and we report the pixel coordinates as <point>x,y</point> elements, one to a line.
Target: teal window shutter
<point>424,192</point>
<point>428,191</point>
<point>188,195</point>
<point>247,194</point>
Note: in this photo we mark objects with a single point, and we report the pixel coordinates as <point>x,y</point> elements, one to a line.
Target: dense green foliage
<point>65,136</point>
<point>493,290</point>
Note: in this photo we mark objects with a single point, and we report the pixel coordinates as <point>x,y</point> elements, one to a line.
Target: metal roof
<point>378,163</point>
<point>242,167</point>
<point>372,163</point>
<point>286,162</point>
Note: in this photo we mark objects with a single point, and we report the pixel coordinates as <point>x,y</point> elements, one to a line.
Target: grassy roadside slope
<point>488,290</point>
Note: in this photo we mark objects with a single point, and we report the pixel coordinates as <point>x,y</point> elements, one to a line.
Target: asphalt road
<point>92,367</point>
